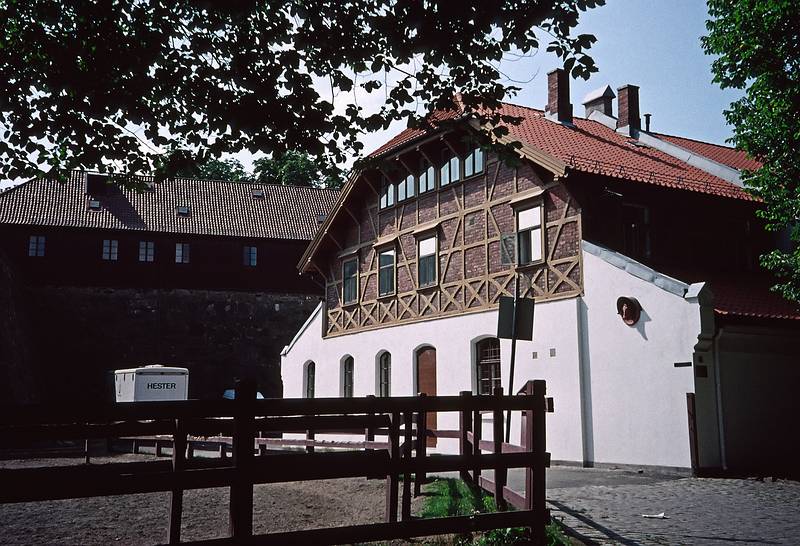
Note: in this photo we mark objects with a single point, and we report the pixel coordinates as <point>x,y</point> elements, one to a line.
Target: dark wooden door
<point>426,382</point>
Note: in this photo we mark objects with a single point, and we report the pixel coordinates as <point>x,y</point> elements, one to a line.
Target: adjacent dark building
<point>195,273</point>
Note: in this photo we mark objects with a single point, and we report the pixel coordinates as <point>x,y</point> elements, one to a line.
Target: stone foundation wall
<point>80,334</point>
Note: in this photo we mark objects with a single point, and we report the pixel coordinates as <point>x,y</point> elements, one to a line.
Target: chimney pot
<point>647,122</point>
<point>558,105</point>
<point>600,100</point>
<point>628,106</point>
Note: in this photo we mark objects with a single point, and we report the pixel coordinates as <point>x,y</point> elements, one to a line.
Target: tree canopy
<point>154,86</point>
<point>758,47</point>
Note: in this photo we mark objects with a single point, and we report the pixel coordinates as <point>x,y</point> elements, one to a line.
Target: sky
<point>654,44</point>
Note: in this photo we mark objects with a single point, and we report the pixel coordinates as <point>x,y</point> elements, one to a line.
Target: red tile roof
<point>752,298</point>
<point>731,157</point>
<point>589,146</point>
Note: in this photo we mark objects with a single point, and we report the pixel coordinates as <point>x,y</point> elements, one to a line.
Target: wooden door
<point>426,382</point>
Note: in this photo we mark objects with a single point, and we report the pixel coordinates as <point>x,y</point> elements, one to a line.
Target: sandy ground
<point>142,519</point>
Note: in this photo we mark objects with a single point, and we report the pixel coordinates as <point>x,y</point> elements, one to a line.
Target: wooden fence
<point>404,453</point>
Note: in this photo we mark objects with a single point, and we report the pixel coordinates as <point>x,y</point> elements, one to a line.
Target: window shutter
<point>508,249</point>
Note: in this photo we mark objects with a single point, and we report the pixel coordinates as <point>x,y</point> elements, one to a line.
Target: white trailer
<point>151,383</point>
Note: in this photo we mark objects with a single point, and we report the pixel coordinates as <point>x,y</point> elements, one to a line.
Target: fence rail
<point>239,423</point>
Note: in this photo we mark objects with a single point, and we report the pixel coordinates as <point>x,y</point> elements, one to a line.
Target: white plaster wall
<point>637,402</point>
<point>555,327</point>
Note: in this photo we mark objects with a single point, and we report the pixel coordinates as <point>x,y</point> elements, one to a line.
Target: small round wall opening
<point>629,310</point>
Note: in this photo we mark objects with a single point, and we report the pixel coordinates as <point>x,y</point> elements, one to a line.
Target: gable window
<point>350,281</point>
<point>310,373</point>
<point>347,377</point>
<point>385,374</point>
<point>36,245</point>
<point>386,264</point>
<point>387,193</point>
<point>181,253</point>
<point>488,365</point>
<point>405,189</point>
<point>529,235</point>
<point>450,171</point>
<point>110,249</point>
<point>473,164</point>
<point>250,256</point>
<point>427,178</point>
<point>426,261</point>
<point>147,251</point>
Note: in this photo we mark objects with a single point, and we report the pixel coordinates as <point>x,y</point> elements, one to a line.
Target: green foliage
<point>216,169</point>
<point>757,44</point>
<point>452,497</point>
<point>296,169</point>
<point>113,84</point>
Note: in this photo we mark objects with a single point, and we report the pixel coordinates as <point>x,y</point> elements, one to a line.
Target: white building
<point>704,357</point>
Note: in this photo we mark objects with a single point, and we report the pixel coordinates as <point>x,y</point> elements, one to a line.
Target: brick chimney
<point>600,100</point>
<point>628,106</point>
<point>558,105</point>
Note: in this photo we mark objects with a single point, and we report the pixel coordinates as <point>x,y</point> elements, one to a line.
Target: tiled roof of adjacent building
<point>590,146</point>
<point>752,298</point>
<point>215,207</point>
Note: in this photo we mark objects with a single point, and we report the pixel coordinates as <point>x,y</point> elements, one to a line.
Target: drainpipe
<point>585,383</point>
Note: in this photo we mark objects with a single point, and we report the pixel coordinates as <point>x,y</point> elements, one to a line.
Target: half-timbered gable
<point>463,205</point>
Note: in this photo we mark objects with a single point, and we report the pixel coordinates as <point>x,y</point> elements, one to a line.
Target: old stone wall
<point>80,334</point>
<point>17,373</point>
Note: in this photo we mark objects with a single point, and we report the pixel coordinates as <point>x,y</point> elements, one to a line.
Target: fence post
<point>537,430</point>
<point>309,436</point>
<point>391,479</point>
<point>464,426</point>
<point>408,444</point>
<point>422,446</point>
<point>86,457</point>
<point>500,471</point>
<point>369,432</point>
<point>241,496</point>
<point>176,495</point>
<point>477,434</point>
<point>158,448</point>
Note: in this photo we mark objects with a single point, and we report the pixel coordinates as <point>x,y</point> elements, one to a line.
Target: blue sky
<point>654,44</point>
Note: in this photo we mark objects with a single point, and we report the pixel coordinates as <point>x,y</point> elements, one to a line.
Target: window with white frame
<point>473,163</point>
<point>450,171</point>
<point>387,193</point>
<point>529,235</point>
<point>250,256</point>
<point>110,250</point>
<point>385,374</point>
<point>181,253</point>
<point>347,377</point>
<point>405,188</point>
<point>350,281</point>
<point>427,178</point>
<point>426,261</point>
<point>386,265</point>
<point>147,251</point>
<point>36,245</point>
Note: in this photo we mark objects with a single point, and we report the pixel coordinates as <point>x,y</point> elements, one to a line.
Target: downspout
<point>585,383</point>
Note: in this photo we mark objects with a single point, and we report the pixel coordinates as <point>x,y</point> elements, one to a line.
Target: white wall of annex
<point>637,400</point>
<point>555,326</point>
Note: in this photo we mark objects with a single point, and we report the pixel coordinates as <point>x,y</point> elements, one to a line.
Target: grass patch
<point>453,497</point>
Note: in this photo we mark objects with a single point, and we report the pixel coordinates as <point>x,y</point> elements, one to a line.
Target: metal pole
<point>513,354</point>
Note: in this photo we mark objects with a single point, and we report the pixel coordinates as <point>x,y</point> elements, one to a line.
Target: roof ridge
<point>732,148</point>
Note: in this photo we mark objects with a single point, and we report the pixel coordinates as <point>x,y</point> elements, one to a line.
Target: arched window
<point>385,374</point>
<point>310,373</point>
<point>488,365</point>
<point>347,377</point>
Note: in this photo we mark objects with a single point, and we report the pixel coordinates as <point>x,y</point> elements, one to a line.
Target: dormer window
<point>473,164</point>
<point>258,193</point>
<point>450,171</point>
<point>183,210</point>
<point>405,189</point>
<point>93,204</point>
<point>427,178</point>
<point>387,193</point>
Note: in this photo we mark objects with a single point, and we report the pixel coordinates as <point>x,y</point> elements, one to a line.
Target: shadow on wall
<point>217,335</point>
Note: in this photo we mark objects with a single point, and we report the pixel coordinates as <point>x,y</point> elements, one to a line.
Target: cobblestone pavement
<point>607,508</point>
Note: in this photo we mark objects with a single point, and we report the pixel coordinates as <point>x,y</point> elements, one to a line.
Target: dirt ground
<point>142,519</point>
